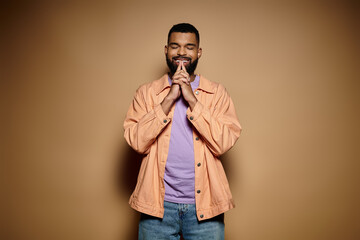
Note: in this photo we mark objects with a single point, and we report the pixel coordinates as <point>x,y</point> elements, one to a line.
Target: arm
<point>219,128</point>
<point>141,127</point>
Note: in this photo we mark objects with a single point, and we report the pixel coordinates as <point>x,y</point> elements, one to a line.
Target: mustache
<point>178,58</point>
<point>190,68</point>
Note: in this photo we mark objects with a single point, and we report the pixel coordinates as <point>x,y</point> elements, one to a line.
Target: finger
<point>177,76</point>
<point>181,82</point>
<point>185,81</point>
<point>176,81</point>
<point>181,74</point>
<point>184,74</point>
<point>183,66</point>
<point>178,71</point>
<point>179,67</point>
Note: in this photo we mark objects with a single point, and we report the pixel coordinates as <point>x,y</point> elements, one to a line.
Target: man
<point>181,123</point>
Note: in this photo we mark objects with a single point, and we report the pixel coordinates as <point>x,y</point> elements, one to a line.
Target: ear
<point>166,49</point>
<point>199,53</point>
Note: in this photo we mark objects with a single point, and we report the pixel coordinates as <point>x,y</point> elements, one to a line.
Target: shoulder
<point>154,86</point>
<point>211,86</point>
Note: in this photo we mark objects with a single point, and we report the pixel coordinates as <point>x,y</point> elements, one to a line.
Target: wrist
<point>169,99</point>
<point>192,103</point>
<point>166,105</point>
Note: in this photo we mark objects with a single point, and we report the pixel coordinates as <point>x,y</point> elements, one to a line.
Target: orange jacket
<point>215,131</point>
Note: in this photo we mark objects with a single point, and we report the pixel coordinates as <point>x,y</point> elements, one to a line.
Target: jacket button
<point>198,191</point>
<point>199,164</point>
<point>197,138</point>
<point>201,216</point>
<point>165,121</point>
<point>191,118</point>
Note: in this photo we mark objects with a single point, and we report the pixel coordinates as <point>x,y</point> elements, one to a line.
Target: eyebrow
<point>188,44</point>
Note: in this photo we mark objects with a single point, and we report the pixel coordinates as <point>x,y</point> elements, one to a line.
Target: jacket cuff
<point>159,113</point>
<point>195,113</point>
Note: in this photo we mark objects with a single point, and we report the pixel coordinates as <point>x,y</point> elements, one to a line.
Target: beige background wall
<point>69,72</point>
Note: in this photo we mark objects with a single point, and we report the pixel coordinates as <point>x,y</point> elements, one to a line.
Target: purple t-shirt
<point>179,171</point>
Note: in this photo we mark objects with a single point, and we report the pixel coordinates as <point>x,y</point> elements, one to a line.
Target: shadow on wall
<point>127,172</point>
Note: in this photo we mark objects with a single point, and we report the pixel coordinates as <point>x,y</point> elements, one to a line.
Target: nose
<point>181,51</point>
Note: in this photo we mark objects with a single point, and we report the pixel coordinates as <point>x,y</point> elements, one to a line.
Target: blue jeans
<point>180,219</point>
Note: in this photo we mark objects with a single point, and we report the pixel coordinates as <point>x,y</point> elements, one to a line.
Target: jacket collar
<point>163,83</point>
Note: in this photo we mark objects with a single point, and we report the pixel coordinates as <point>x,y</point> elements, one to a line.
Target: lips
<point>182,59</point>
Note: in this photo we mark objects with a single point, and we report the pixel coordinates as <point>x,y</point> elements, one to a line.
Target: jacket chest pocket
<point>206,99</point>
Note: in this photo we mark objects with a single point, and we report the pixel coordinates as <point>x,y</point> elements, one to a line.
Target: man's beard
<point>190,68</point>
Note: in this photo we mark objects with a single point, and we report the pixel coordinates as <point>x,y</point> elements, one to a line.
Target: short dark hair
<point>185,28</point>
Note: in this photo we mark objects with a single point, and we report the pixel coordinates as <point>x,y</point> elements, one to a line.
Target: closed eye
<point>173,45</point>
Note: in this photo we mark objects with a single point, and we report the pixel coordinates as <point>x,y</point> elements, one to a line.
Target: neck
<point>192,77</point>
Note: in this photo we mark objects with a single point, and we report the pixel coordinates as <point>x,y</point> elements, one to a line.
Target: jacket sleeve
<point>219,127</point>
<point>143,123</point>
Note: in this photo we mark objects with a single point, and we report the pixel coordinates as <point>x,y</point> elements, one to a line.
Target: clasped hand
<point>181,86</point>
